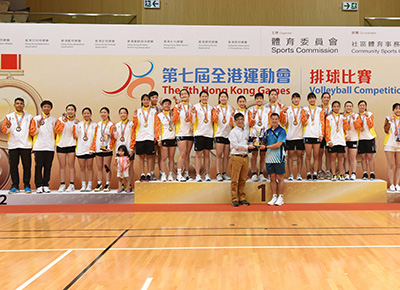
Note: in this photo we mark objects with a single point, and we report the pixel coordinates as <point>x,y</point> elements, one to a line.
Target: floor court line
<point>44,270</point>
<point>147,283</point>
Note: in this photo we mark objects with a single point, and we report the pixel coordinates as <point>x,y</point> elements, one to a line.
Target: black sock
<point>347,172</point>
<point>62,183</point>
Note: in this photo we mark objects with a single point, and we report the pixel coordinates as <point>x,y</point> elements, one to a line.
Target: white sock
<point>281,195</point>
<point>98,181</point>
<point>179,171</point>
<point>83,183</point>
<point>170,173</point>
<point>186,173</point>
<point>107,182</point>
<point>89,183</point>
<point>152,173</point>
<point>275,195</point>
<point>372,172</point>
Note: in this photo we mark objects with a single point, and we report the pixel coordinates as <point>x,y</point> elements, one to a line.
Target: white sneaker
<point>341,178</point>
<point>346,177</point>
<point>328,174</point>
<point>299,178</point>
<point>392,188</point>
<point>397,188</point>
<point>46,189</point>
<point>353,176</point>
<point>163,177</point>
<point>290,178</point>
<point>61,188</point>
<point>207,177</point>
<point>262,178</point>
<point>333,178</point>
<point>273,200</point>
<point>219,177</point>
<point>254,177</point>
<point>70,188</point>
<point>39,189</point>
<point>83,188</point>
<point>180,178</point>
<point>88,188</point>
<point>225,176</point>
<point>198,178</point>
<point>170,177</point>
<point>279,201</point>
<point>188,178</point>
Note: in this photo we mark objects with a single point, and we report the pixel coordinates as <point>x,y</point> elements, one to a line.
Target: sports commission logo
<point>134,81</point>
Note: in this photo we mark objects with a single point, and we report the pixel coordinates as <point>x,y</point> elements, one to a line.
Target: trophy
<point>259,134</point>
<point>105,141</point>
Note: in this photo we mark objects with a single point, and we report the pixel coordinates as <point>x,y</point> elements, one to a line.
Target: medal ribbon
<point>86,127</point>
<point>311,113</point>
<point>168,118</point>
<point>297,114</point>
<point>336,122</point>
<point>124,128</point>
<point>396,124</point>
<point>121,164</point>
<point>102,130</point>
<point>19,121</point>
<point>226,111</point>
<point>206,111</point>
<point>146,118</point>
<point>258,113</point>
<point>186,111</point>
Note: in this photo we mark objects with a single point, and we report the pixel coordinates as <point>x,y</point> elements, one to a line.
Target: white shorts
<point>390,148</point>
<point>124,174</point>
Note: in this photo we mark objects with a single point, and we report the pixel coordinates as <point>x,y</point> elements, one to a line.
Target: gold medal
<point>362,129</point>
<point>259,123</point>
<point>337,130</point>
<point>85,138</point>
<point>206,121</point>
<point>41,122</point>
<point>295,123</point>
<point>171,129</point>
<point>122,139</point>
<point>145,125</point>
<point>312,123</point>
<point>186,119</point>
<point>224,121</point>
<point>18,129</point>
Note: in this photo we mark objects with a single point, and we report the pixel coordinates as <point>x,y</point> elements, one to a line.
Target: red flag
<point>10,62</point>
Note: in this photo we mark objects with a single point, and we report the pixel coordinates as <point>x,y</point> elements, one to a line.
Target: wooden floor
<point>201,250</point>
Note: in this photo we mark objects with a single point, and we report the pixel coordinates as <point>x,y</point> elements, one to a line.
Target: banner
<point>113,65</point>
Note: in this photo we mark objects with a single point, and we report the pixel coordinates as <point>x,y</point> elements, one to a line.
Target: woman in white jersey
<point>323,148</point>
<point>392,147</point>
<point>248,115</point>
<point>184,134</point>
<point>222,118</point>
<point>66,146</point>
<point>201,117</point>
<point>144,127</point>
<point>366,145</point>
<point>290,118</point>
<point>84,133</point>
<point>103,145</point>
<point>123,136</point>
<point>350,156</point>
<point>155,104</point>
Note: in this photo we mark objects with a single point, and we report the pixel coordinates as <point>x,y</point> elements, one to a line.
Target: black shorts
<point>86,156</point>
<point>310,140</point>
<point>145,147</point>
<point>168,143</point>
<point>222,140</point>
<point>336,149</point>
<point>366,146</point>
<point>70,149</point>
<point>184,138</point>
<point>323,144</point>
<point>351,144</point>
<point>203,143</point>
<point>295,144</point>
<point>104,154</point>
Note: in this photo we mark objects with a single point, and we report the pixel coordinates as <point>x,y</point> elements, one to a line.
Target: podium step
<point>322,191</point>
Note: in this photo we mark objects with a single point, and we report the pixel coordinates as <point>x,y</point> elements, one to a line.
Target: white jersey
<point>354,122</point>
<point>165,128</point>
<point>335,129</point>
<point>20,139</point>
<point>314,126</point>
<point>260,117</point>
<point>64,137</point>
<point>181,118</point>
<point>367,131</point>
<point>292,124</point>
<point>393,134</point>
<point>144,124</point>
<point>104,134</point>
<point>327,110</point>
<point>84,144</point>
<point>123,134</point>
<point>222,120</point>
<point>272,108</point>
<point>158,108</point>
<point>43,136</point>
<point>202,121</point>
<point>248,118</point>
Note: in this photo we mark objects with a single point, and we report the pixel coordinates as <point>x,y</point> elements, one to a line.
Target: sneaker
<point>254,177</point>
<point>148,177</point>
<point>397,188</point>
<point>346,176</point>
<point>27,189</point>
<point>107,187</point>
<point>341,178</point>
<point>353,176</point>
<point>320,175</point>
<point>207,177</point>
<point>334,178</point>
<point>170,177</point>
<point>299,178</point>
<point>13,190</point>
<point>180,178</point>
<point>235,203</point>
<point>328,175</point>
<point>61,188</point>
<point>142,178</point>
<point>188,178</point>
<point>198,178</point>
<point>128,190</point>
<point>98,187</point>
<point>219,177</point>
<point>273,200</point>
<point>262,178</point>
<point>308,176</point>
<point>120,190</point>
<point>392,188</point>
<point>70,188</point>
<point>123,187</point>
<point>153,177</point>
<point>372,176</point>
<point>163,177</point>
<point>365,176</point>
<point>39,189</point>
<point>290,178</point>
<point>244,202</point>
<point>89,188</point>
<point>225,176</point>
<point>314,177</point>
<point>46,189</point>
<point>83,188</point>
<point>279,201</point>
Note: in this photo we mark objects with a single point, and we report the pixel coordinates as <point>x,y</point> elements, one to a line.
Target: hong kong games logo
<point>135,80</point>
